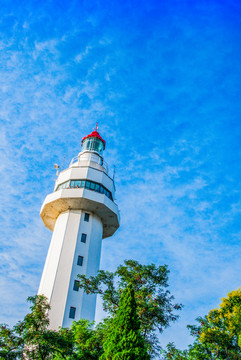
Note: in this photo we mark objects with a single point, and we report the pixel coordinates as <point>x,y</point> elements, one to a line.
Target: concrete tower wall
<point>61,267</point>
<point>91,251</point>
<point>52,261</point>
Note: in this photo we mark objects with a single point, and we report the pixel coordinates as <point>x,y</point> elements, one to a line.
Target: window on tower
<point>87,217</point>
<point>93,144</point>
<point>76,285</point>
<point>87,184</point>
<point>83,238</point>
<point>97,187</point>
<point>72,312</point>
<point>77,183</point>
<point>80,260</point>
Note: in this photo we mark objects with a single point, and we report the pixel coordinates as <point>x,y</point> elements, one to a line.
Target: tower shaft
<point>75,249</point>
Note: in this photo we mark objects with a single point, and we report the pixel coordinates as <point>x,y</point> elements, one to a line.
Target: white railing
<point>79,161</point>
<point>75,159</point>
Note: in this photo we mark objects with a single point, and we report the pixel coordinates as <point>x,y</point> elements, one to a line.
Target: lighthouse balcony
<point>81,199</point>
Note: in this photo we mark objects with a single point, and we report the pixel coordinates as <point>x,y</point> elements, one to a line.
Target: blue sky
<point>162,78</point>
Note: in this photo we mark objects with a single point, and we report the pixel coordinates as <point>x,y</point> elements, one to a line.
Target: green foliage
<point>217,336</point>
<point>31,338</point>
<point>173,353</point>
<point>220,330</point>
<point>155,306</point>
<point>153,309</point>
<point>196,351</point>
<point>40,342</point>
<point>124,340</point>
<point>11,342</point>
<point>87,342</point>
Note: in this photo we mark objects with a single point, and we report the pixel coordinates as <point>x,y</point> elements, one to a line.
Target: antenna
<point>114,176</point>
<point>96,127</point>
<point>62,167</point>
<point>114,172</point>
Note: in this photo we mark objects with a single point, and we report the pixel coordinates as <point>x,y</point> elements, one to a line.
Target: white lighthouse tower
<point>81,212</point>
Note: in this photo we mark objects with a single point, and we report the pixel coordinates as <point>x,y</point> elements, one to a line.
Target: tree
<point>155,306</point>
<point>217,334</point>
<point>124,340</point>
<point>11,342</point>
<point>220,330</point>
<point>173,353</point>
<point>87,341</point>
<point>196,351</point>
<point>31,337</point>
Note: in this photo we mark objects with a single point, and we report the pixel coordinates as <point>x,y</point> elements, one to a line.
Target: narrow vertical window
<point>76,285</point>
<point>97,187</point>
<point>80,260</point>
<point>87,217</point>
<point>83,238</point>
<point>72,312</point>
<point>87,184</point>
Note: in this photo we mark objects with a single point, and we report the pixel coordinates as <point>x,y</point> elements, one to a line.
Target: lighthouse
<point>81,212</point>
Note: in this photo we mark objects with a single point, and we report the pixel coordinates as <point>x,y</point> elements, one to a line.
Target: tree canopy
<point>217,335</point>
<point>155,306</point>
<point>138,303</point>
<point>124,340</point>
<point>31,337</point>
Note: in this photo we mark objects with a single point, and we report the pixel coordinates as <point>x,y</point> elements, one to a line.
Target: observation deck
<point>81,159</point>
